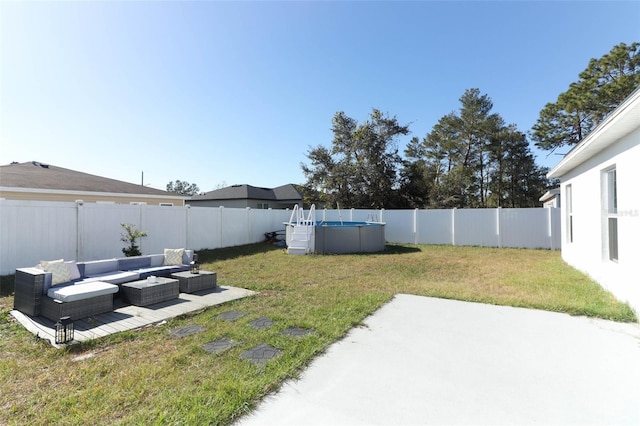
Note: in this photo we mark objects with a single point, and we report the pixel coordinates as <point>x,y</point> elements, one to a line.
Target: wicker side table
<point>195,282</point>
<point>143,292</point>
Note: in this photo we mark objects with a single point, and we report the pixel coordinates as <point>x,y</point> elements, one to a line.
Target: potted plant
<point>130,236</point>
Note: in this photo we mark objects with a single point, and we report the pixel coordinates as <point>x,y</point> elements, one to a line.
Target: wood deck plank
<point>123,321</point>
<point>130,317</point>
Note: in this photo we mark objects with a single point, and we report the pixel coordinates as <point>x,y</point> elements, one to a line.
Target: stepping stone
<point>179,333</point>
<point>219,346</point>
<point>263,322</point>
<point>261,354</point>
<point>297,331</point>
<point>231,315</point>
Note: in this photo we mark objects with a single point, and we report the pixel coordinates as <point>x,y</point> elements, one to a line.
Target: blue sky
<point>222,93</point>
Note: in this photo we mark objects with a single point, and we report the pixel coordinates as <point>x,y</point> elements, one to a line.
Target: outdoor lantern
<point>195,266</point>
<point>64,330</point>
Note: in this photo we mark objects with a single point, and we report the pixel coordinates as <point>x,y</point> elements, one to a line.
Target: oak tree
<point>360,170</point>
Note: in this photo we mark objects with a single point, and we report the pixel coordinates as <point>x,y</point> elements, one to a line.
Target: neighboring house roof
<point>247,192</point>
<point>622,121</point>
<point>35,175</point>
<point>550,195</point>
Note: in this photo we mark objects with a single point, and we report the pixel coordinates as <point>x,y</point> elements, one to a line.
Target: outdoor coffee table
<point>145,292</point>
<point>195,282</point>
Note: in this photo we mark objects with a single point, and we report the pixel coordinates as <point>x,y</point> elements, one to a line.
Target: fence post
<point>187,208</point>
<point>550,229</point>
<point>499,225</point>
<point>453,226</point>
<point>415,226</point>
<point>271,225</point>
<point>79,204</point>
<point>142,207</point>
<point>220,227</point>
<point>249,227</point>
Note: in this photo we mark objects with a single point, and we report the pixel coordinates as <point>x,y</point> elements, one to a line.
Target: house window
<point>263,206</point>
<point>610,201</point>
<point>167,204</point>
<point>569,209</point>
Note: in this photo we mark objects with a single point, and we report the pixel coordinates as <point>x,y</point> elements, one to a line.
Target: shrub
<point>130,236</point>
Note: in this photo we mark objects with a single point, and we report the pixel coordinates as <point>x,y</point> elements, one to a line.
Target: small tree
<point>130,236</point>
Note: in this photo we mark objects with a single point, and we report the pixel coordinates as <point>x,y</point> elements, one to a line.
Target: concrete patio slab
<point>421,360</point>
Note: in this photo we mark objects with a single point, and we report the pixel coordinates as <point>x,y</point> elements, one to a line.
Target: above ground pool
<point>346,237</point>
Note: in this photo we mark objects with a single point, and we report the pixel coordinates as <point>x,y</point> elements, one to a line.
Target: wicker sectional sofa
<point>92,284</point>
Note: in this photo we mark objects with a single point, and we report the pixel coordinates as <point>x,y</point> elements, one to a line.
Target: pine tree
<point>601,87</point>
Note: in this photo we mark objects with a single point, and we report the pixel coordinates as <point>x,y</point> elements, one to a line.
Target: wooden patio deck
<point>129,317</point>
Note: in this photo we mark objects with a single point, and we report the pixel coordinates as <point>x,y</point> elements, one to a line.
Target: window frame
<point>569,210</point>
<point>610,213</point>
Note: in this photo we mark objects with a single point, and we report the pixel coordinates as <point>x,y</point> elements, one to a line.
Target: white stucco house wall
<point>600,189</point>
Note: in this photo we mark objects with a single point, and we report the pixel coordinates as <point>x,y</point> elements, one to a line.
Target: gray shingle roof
<point>37,175</point>
<point>242,192</point>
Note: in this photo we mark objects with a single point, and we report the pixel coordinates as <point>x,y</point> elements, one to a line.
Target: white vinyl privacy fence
<point>521,228</point>
<point>31,231</point>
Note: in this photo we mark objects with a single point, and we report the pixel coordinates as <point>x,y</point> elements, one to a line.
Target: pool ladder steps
<point>301,241</point>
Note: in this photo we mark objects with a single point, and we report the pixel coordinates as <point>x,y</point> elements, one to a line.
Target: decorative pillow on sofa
<point>58,269</point>
<point>74,272</point>
<point>173,256</point>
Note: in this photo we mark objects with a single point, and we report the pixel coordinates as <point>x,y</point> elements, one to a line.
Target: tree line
<point>470,158</point>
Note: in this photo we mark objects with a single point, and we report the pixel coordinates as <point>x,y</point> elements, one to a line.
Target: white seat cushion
<point>115,277</point>
<point>81,291</point>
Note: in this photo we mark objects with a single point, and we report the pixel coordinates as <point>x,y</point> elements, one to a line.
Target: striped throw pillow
<point>59,270</point>
<point>173,256</point>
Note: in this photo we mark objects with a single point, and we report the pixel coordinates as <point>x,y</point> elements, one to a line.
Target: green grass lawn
<point>146,377</point>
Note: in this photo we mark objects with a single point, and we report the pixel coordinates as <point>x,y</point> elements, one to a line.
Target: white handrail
<point>297,216</point>
<point>294,213</point>
<point>311,217</point>
<point>301,219</point>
